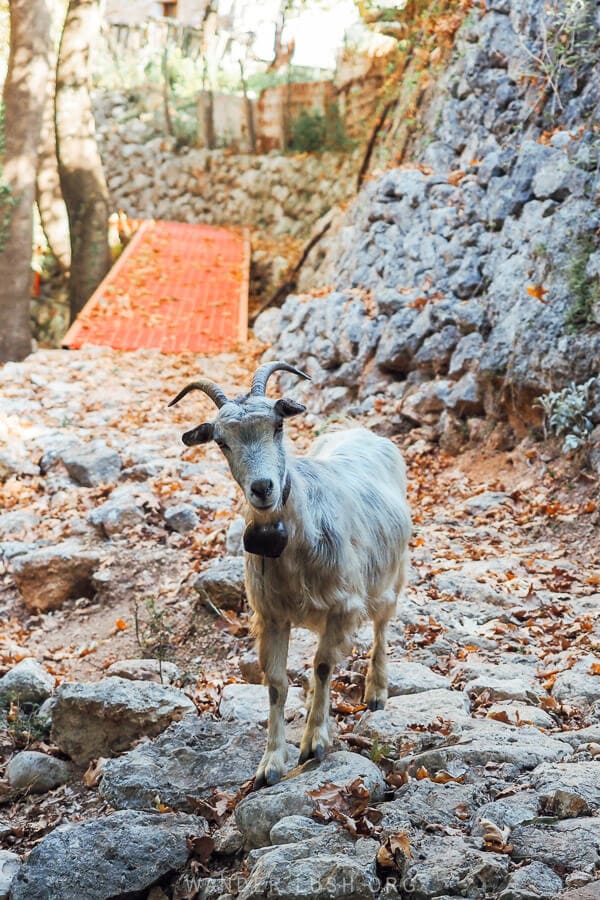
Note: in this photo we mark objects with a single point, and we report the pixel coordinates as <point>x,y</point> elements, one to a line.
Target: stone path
<point>480,778</point>
<point>200,306</point>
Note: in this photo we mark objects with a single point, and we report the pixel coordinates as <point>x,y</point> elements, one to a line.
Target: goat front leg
<point>316,737</point>
<point>273,642</point>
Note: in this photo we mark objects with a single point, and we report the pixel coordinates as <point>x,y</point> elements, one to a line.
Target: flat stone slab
<point>250,703</point>
<point>413,678</point>
<point>101,718</point>
<point>184,764</point>
<point>328,866</point>
<point>121,855</point>
<point>406,719</point>
<point>579,781</point>
<point>257,813</point>
<point>485,741</point>
<point>572,844</point>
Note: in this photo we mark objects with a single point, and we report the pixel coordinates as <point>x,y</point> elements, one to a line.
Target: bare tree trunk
<point>53,212</point>
<point>248,111</point>
<point>79,164</point>
<point>165,75</point>
<point>23,102</point>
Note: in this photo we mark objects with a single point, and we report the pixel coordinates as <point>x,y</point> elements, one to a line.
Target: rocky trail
<point>132,714</point>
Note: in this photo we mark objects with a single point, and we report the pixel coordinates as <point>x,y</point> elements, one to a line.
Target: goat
<point>326,540</point>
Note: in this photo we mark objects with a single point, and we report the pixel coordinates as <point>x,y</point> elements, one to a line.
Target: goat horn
<point>264,372</point>
<point>212,390</point>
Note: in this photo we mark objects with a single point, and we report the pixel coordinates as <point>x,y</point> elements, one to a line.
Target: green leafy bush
<point>313,132</point>
<point>567,414</point>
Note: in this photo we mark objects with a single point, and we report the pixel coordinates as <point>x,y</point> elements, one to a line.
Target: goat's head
<point>249,431</point>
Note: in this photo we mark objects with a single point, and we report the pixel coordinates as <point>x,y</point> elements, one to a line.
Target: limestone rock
<point>571,844</point>
<point>322,867</point>
<point>186,762</point>
<point>10,864</point>
<point>145,670</point>
<point>92,464</point>
<point>122,854</point>
<point>257,813</point>
<point>250,703</point>
<point>101,718</point>
<point>26,683</point>
<point>49,576</point>
<point>181,518</point>
<point>36,772</point>
<point>223,582</point>
<point>532,882</point>
<point>413,678</point>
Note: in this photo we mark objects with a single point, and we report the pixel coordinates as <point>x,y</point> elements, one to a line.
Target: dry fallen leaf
<point>537,291</point>
<point>395,852</point>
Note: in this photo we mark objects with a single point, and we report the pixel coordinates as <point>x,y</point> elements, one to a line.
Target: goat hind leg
<point>273,641</point>
<point>376,683</point>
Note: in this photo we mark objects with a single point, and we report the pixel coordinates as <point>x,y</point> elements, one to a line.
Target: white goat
<point>327,540</point>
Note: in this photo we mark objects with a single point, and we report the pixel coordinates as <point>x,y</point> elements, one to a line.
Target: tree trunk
<point>23,102</point>
<point>53,212</point>
<point>79,164</point>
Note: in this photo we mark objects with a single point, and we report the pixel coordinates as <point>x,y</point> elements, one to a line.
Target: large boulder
<point>101,718</point>
<point>257,813</point>
<point>185,763</point>
<point>121,855</point>
<point>49,576</point>
<point>27,683</point>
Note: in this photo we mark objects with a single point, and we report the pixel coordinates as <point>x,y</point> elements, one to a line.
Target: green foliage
<point>584,291</point>
<point>153,633</point>
<point>312,132</point>
<point>570,43</point>
<point>21,724</point>
<point>567,414</point>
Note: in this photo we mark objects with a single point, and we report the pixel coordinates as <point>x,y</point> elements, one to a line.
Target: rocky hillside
<point>465,282</point>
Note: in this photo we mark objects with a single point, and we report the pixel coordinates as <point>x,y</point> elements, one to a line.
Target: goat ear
<point>286,407</point>
<point>200,435</point>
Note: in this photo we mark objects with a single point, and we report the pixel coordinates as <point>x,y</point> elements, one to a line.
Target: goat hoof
<point>272,776</point>
<point>374,705</point>
<point>259,781</point>
<point>318,754</point>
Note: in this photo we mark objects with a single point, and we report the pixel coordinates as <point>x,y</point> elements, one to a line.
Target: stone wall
<point>466,284</point>
<point>149,177</point>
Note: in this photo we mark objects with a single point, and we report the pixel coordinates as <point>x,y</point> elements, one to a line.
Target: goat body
<point>348,529</point>
<point>339,527</point>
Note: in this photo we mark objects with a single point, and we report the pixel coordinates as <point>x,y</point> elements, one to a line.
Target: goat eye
<point>222,444</point>
<point>279,428</point>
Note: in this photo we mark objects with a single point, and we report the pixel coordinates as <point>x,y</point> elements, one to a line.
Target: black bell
<point>269,539</point>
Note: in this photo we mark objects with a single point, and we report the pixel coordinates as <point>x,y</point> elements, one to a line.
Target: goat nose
<point>262,487</point>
